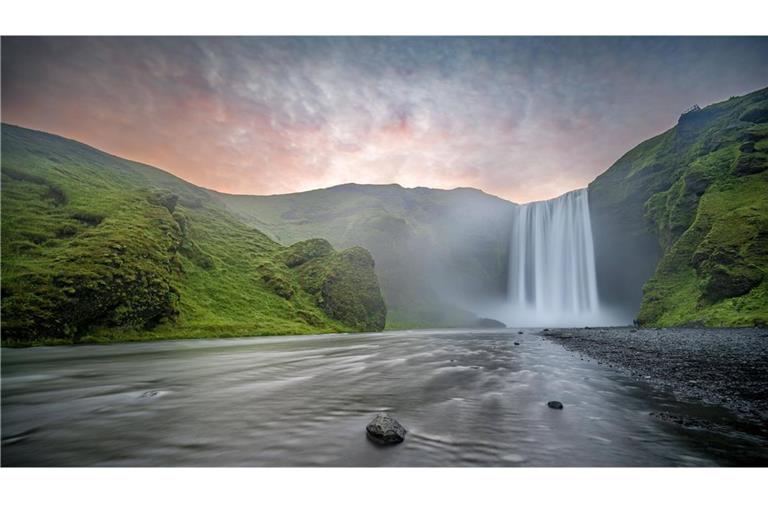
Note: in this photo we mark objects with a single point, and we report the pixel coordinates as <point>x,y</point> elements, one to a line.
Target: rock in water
<point>554,404</point>
<point>385,429</point>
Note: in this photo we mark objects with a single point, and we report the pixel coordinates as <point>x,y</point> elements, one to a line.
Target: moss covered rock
<point>344,283</point>
<point>700,190</point>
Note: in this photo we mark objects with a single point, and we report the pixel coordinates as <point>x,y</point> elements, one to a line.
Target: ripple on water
<point>466,398</point>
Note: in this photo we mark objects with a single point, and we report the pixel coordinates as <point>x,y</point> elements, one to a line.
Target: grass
<point>100,249</point>
<point>702,188</point>
<point>430,246</point>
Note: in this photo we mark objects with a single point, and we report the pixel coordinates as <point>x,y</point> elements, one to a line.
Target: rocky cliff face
<point>684,217</point>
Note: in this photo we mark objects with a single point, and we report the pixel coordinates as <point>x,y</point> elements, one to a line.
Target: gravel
<point>723,367</point>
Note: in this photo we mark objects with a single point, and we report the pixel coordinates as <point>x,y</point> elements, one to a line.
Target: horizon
<point>524,119</point>
<point>290,193</point>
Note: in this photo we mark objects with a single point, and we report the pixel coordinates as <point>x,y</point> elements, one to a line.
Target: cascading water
<point>552,278</point>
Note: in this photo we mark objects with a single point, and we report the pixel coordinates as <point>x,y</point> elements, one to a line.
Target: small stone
<point>385,429</point>
<point>554,404</point>
<point>517,343</point>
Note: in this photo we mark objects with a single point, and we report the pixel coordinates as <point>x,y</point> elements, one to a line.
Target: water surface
<point>467,398</point>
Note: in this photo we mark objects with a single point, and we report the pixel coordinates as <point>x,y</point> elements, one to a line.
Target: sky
<point>523,118</point>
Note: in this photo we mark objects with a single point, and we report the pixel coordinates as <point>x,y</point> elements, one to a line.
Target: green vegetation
<point>342,283</point>
<point>702,189</point>
<point>98,249</point>
<point>432,247</point>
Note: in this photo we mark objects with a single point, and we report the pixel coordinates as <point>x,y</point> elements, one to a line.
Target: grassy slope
<point>703,189</point>
<point>97,248</point>
<point>431,246</point>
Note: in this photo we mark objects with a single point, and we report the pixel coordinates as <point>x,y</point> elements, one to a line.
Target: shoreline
<point>721,367</point>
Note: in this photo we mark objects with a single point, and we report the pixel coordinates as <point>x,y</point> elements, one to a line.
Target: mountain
<point>679,225</point>
<point>440,254</point>
<point>97,248</point>
<point>684,218</point>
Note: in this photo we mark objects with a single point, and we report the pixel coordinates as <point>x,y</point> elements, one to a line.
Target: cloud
<point>523,118</point>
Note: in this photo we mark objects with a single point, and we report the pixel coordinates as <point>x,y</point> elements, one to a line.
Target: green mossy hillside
<point>702,189</point>
<point>342,283</point>
<point>438,252</point>
<point>97,249</point>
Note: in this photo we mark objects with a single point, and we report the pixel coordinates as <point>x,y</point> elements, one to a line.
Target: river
<point>467,398</point>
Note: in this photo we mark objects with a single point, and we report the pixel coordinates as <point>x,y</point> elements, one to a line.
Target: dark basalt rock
<point>384,429</point>
<point>554,404</point>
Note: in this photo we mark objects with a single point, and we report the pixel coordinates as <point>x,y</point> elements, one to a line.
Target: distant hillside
<point>98,248</point>
<point>694,200</point>
<point>439,253</point>
<point>679,224</point>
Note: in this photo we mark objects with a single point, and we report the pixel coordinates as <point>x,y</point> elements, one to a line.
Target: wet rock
<point>554,404</point>
<point>384,429</point>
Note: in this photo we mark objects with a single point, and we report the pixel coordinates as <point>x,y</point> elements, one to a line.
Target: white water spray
<point>552,278</point>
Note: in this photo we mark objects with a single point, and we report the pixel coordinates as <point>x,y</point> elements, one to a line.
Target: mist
<point>550,275</point>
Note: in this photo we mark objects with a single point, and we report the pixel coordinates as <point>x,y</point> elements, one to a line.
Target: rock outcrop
<point>384,429</point>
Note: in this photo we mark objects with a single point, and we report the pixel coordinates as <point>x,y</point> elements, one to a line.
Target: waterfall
<point>552,278</point>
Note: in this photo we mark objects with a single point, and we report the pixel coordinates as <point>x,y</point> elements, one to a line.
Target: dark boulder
<point>731,281</point>
<point>554,404</point>
<point>750,163</point>
<point>384,429</point>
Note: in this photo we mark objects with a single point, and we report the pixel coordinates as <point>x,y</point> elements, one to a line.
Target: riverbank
<point>721,367</point>
<point>465,397</point>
